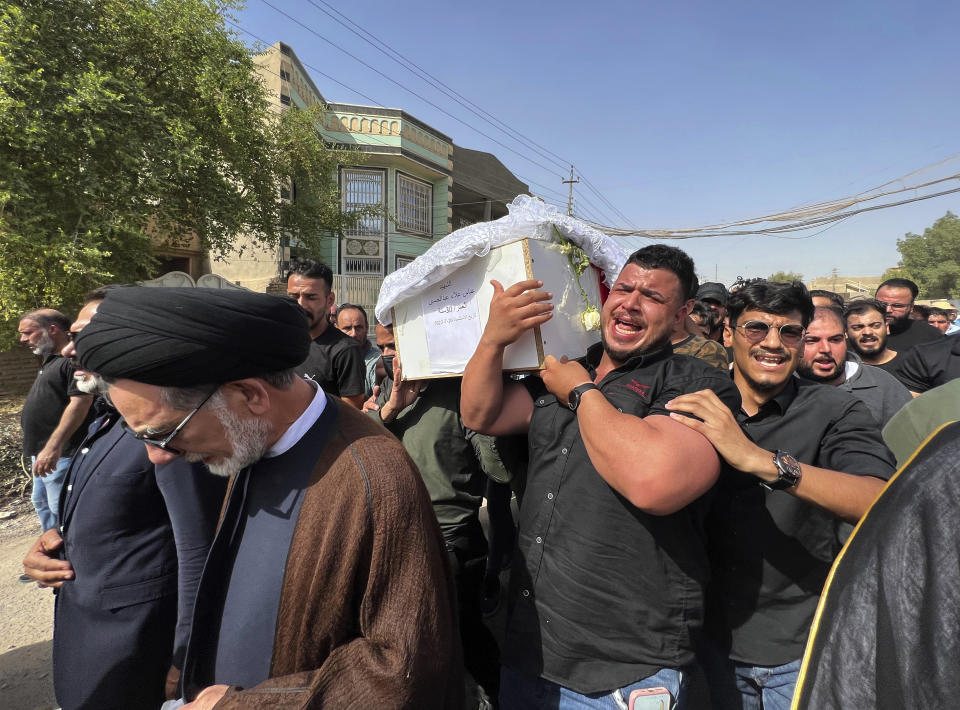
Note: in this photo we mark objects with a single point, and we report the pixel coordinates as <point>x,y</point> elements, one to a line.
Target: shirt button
<point>70,487</point>
<point>525,592</point>
<point>61,528</point>
<point>540,401</point>
<point>84,450</point>
<point>549,496</point>
<point>539,539</point>
<point>563,450</point>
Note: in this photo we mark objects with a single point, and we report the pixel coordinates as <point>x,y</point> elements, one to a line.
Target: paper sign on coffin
<point>438,330</point>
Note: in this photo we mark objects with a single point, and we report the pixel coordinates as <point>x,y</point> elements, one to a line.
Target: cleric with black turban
<point>180,337</point>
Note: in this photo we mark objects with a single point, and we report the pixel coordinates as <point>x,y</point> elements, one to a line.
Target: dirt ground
<point>26,611</point>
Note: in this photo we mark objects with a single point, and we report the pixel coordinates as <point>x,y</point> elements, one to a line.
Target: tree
<point>785,276</point>
<point>128,121</point>
<point>932,259</point>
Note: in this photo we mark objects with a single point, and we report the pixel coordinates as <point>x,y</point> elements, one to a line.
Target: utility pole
<point>571,182</point>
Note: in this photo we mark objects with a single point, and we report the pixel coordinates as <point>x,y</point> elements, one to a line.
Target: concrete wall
<point>18,370</point>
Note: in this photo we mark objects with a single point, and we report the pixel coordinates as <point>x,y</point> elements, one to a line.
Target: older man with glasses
<point>799,457</point>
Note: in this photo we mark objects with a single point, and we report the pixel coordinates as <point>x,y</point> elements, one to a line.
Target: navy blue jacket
<point>137,536</point>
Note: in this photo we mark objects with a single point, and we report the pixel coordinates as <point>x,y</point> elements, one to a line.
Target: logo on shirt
<point>642,390</point>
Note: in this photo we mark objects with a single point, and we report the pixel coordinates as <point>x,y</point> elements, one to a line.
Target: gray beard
<point>89,384</point>
<point>247,438</point>
<point>45,346</point>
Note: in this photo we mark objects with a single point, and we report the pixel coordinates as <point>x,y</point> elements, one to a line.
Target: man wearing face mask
<point>125,562</point>
<point>453,461</point>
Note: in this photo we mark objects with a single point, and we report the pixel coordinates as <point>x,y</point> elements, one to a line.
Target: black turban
<point>179,337</point>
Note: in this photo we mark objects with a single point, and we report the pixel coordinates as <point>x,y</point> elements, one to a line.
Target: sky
<point>682,114</point>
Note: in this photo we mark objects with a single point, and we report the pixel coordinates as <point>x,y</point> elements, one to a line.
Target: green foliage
<point>785,276</point>
<point>932,259</point>
<point>126,123</point>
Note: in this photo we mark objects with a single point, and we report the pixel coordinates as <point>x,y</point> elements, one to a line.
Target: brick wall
<point>18,369</point>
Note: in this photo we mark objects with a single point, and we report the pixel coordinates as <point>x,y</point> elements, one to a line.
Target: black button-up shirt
<point>604,594</point>
<point>772,551</point>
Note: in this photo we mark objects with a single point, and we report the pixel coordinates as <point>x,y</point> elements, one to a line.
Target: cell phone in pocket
<point>650,699</point>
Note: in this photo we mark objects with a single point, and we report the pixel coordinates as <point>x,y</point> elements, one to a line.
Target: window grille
<point>414,205</point>
<point>363,188</point>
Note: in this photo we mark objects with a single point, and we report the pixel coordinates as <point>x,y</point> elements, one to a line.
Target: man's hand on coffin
<point>515,310</point>
<point>402,395</point>
<point>561,376</point>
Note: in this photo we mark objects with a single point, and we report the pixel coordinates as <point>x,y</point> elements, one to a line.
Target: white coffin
<point>438,330</point>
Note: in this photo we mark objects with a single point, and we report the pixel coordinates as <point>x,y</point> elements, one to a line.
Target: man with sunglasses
<point>125,562</point>
<point>800,457</point>
<point>327,542</point>
<point>897,297</point>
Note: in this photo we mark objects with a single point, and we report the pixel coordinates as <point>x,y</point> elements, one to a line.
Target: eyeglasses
<point>756,331</point>
<point>894,306</point>
<point>164,444</point>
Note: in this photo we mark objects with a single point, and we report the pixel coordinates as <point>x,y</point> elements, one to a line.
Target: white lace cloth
<point>529,218</point>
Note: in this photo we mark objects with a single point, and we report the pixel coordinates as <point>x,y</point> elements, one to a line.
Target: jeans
<point>46,493</point>
<point>522,692</point>
<point>746,687</point>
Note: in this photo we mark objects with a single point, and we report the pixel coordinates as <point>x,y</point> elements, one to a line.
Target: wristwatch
<point>789,472</point>
<point>573,399</point>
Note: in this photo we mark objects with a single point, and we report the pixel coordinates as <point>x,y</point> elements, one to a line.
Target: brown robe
<point>366,617</point>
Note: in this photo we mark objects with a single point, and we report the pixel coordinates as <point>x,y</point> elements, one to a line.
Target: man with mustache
<point>327,542</point>
<point>55,414</point>
<point>800,457</point>
<point>897,297</point>
<point>125,562</point>
<point>825,360</point>
<point>867,334</point>
<point>607,586</point>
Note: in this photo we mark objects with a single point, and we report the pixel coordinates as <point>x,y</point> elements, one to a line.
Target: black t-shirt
<point>48,397</point>
<point>335,362</point>
<point>604,594</point>
<point>905,334</point>
<point>771,552</point>
<point>929,365</point>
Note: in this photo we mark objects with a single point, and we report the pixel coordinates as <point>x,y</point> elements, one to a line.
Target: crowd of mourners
<point>245,504</point>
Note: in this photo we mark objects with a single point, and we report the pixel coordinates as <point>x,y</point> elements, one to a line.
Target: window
<point>414,205</point>
<point>285,75</point>
<point>400,261</point>
<point>363,188</point>
<point>284,99</point>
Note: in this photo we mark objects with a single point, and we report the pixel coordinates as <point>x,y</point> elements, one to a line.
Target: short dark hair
<point>45,317</point>
<point>934,311</point>
<point>861,306</point>
<point>900,283</point>
<point>835,298</point>
<point>833,311</point>
<point>778,298</point>
<point>354,306</point>
<point>660,256</point>
<point>922,311</point>
<point>311,269</point>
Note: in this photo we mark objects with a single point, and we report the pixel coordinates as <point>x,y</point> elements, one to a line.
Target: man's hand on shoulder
<point>41,563</point>
<point>716,422</point>
<point>561,376</point>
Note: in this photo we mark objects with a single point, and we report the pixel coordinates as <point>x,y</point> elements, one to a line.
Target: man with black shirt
<point>607,588</point>
<point>335,361</point>
<point>897,297</point>
<point>55,413</point>
<point>352,321</point>
<point>826,360</point>
<point>930,365</point>
<point>773,525</point>
<point>867,334</point>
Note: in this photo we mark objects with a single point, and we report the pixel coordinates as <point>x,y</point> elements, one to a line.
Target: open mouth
<point>625,327</point>
<point>769,361</point>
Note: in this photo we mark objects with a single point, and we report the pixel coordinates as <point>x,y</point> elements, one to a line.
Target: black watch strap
<point>788,470</point>
<point>573,399</point>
